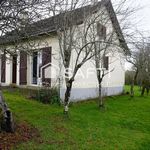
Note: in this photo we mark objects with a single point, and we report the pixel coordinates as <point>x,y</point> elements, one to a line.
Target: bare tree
<point>78,37</point>
<point>139,58</point>
<point>109,40</point>
<point>133,60</point>
<point>76,26</point>
<point>145,69</point>
<point>14,16</point>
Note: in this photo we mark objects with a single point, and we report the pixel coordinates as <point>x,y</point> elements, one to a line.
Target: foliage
<point>13,85</point>
<point>44,95</point>
<point>125,124</point>
<point>47,96</point>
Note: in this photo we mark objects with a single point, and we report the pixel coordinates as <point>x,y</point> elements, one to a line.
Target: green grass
<point>124,125</point>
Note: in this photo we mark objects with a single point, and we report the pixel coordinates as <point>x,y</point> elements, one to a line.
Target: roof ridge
<point>50,24</point>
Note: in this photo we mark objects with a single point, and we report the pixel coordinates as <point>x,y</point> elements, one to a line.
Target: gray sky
<point>142,17</point>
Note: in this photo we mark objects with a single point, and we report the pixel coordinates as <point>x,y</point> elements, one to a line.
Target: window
<point>40,59</point>
<point>101,31</point>
<point>106,62</point>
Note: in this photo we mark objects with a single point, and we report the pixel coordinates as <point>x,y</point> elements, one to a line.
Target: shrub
<point>47,96</point>
<point>13,85</point>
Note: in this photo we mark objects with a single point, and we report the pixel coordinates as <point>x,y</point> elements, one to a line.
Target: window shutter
<point>3,67</point>
<point>106,62</point>
<point>101,31</point>
<point>46,58</point>
<point>46,55</point>
<point>23,68</point>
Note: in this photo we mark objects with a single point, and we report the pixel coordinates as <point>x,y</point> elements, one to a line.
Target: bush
<point>47,96</point>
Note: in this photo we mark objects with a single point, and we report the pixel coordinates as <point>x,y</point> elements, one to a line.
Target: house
<point>40,62</point>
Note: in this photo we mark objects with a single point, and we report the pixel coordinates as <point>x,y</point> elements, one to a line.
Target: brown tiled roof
<point>50,25</point>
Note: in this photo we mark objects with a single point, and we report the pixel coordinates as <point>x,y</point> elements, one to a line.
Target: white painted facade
<point>83,87</point>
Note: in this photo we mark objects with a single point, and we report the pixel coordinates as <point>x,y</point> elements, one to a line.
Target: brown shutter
<point>14,69</point>
<point>101,31</point>
<point>23,68</point>
<point>106,62</point>
<point>46,58</point>
<point>3,67</point>
<point>46,55</point>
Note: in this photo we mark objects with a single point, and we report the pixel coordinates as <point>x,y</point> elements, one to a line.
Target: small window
<point>101,31</point>
<point>106,62</point>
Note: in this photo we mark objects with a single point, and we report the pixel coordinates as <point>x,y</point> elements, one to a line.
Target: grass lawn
<point>124,125</point>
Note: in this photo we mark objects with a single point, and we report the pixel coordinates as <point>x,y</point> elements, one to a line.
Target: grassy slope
<point>124,125</point>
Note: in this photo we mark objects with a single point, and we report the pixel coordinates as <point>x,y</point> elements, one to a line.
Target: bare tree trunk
<point>143,90</point>
<point>147,90</point>
<point>6,122</point>
<point>99,76</point>
<point>133,83</point>
<point>67,96</point>
<point>145,87</point>
<point>100,86</point>
<point>101,104</point>
<point>140,85</point>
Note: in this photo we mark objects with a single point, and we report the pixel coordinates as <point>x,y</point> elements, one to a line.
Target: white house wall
<point>8,80</point>
<point>83,88</point>
<point>113,82</point>
<point>87,87</point>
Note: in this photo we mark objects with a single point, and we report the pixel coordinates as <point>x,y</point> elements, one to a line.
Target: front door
<point>14,69</point>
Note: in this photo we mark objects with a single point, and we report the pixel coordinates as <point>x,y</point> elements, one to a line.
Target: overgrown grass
<point>124,125</point>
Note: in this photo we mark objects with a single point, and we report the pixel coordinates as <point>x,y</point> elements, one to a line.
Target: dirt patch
<point>23,133</point>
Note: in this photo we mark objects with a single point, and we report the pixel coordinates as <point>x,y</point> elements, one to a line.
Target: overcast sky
<point>142,17</point>
<point>144,14</point>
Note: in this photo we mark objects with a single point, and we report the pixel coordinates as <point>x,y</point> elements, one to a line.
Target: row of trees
<point>140,60</point>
